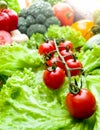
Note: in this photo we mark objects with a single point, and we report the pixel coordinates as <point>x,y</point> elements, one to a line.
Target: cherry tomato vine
<point>58,67</point>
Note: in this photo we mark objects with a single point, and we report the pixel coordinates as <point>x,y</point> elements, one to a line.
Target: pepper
<point>8,19</point>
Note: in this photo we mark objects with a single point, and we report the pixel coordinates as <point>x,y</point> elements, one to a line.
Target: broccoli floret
<point>36,28</point>
<point>22,25</point>
<point>39,17</point>
<point>23,29</point>
<point>23,13</point>
<point>30,20</point>
<point>52,20</point>
<point>21,21</point>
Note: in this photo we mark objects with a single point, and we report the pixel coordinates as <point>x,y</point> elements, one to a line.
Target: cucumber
<point>93,41</point>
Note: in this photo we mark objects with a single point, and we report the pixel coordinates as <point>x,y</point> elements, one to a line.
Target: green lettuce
<point>90,60</point>
<point>17,57</point>
<point>13,4</point>
<point>58,33</point>
<point>67,33</point>
<point>26,103</point>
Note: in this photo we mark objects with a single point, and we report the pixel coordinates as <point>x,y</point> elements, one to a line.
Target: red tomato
<point>4,21</point>
<point>57,61</point>
<point>54,79</point>
<point>64,13</point>
<point>13,18</point>
<point>81,105</point>
<point>45,48</point>
<point>5,37</point>
<point>65,44</point>
<point>74,64</point>
<point>67,54</point>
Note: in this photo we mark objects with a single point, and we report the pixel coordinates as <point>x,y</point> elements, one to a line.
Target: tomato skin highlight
<point>81,105</point>
<point>64,13</point>
<point>54,79</point>
<point>4,21</point>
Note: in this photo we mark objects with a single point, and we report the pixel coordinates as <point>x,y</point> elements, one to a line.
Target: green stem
<point>63,61</point>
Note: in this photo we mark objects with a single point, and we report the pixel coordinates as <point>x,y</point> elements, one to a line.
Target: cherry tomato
<point>57,61</point>
<point>81,105</point>
<point>84,26</point>
<point>64,13</point>
<point>54,79</point>
<point>5,37</point>
<point>4,21</point>
<point>13,19</point>
<point>67,54</point>
<point>46,47</point>
<point>65,44</point>
<point>74,64</point>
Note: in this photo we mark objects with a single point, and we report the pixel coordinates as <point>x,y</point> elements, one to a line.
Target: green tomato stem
<point>63,61</point>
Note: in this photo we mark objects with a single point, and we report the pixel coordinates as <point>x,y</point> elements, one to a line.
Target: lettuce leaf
<point>17,57</point>
<point>13,4</point>
<point>67,33</point>
<point>91,60</point>
<point>26,103</point>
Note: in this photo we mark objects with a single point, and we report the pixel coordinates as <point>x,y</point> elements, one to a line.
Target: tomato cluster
<point>61,62</point>
<point>54,60</point>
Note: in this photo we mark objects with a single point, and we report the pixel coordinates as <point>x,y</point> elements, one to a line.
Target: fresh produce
<point>17,57</point>
<point>67,33</point>
<point>26,102</point>
<point>13,5</point>
<point>96,19</point>
<point>18,37</point>
<point>8,20</point>
<point>92,42</point>
<point>67,54</point>
<point>64,13</point>
<point>5,37</point>
<point>75,66</point>
<point>66,45</point>
<point>81,105</point>
<point>37,18</point>
<point>47,48</point>
<point>54,77</point>
<point>85,27</point>
<point>90,60</point>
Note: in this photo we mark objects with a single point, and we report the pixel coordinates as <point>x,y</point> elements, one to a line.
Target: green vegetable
<point>93,41</point>
<point>37,18</point>
<point>26,103</point>
<point>13,4</point>
<point>36,28</point>
<point>96,19</point>
<point>58,33</point>
<point>90,60</point>
<point>17,57</point>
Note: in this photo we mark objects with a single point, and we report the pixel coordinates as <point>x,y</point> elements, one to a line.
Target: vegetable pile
<point>37,18</point>
<point>49,80</point>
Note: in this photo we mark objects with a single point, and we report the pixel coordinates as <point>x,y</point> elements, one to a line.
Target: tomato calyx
<point>52,68</point>
<point>74,88</point>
